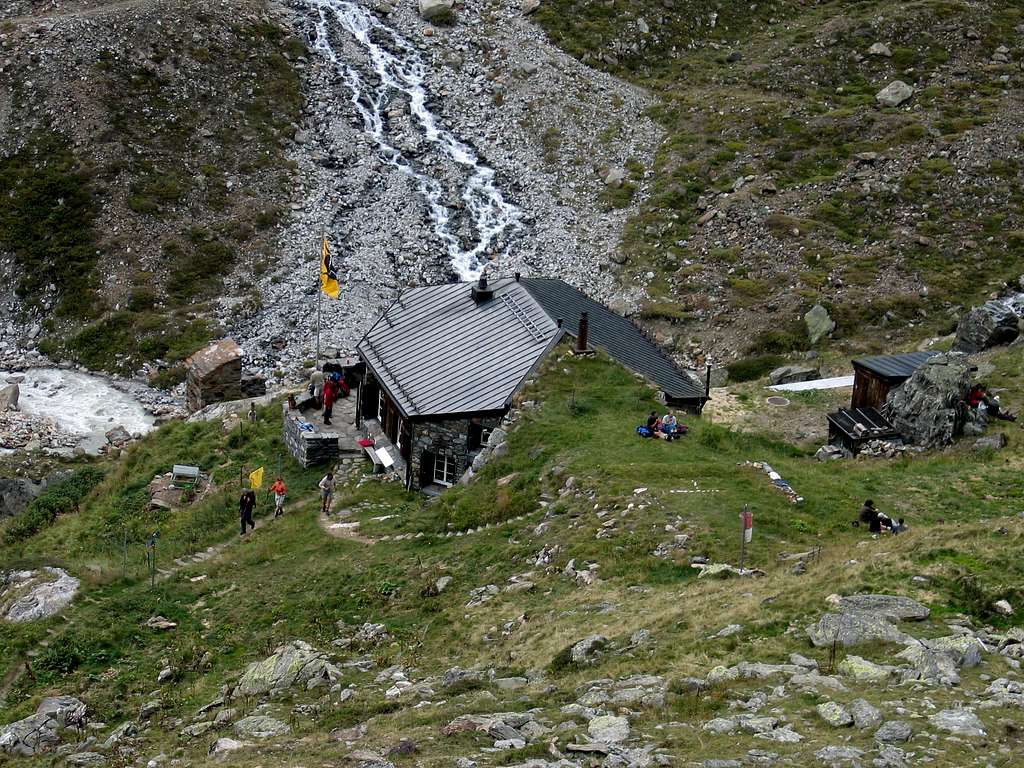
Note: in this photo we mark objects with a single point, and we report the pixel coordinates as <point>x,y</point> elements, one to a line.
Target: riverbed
<point>80,404</point>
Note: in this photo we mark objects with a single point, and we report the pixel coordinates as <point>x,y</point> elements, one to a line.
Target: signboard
<point>385,458</point>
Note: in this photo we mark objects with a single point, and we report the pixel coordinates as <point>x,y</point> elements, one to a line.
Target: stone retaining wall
<point>308,447</point>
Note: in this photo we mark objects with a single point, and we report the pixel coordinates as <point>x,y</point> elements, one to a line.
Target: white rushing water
<point>400,69</point>
<point>80,404</point>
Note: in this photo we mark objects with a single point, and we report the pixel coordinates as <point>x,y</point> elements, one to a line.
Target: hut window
<point>445,469</point>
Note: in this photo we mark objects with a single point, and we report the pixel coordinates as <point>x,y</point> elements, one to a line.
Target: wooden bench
<point>371,452</point>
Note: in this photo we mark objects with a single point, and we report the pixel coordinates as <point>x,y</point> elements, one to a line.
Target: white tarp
<point>836,382</point>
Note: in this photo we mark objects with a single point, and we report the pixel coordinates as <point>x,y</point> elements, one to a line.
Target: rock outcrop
<point>43,730</point>
<point>993,323</point>
<point>293,664</point>
<point>32,595</point>
<point>929,408</point>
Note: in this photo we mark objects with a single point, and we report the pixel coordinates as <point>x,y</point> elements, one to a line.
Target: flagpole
<point>319,291</point>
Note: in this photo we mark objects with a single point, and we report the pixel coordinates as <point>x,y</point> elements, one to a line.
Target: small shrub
<point>750,368</point>
<point>60,498</point>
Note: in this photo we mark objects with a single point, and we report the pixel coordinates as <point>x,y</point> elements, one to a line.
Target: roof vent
<point>481,291</point>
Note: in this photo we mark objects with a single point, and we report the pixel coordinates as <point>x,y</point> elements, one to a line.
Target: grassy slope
<point>798,106</point>
<point>290,580</point>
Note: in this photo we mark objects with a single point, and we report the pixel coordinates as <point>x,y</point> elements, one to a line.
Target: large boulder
<point>894,94</point>
<point>894,607</point>
<point>929,408</point>
<point>790,374</point>
<point>261,727</point>
<point>9,398</point>
<point>436,10</point>
<point>16,493</point>
<point>293,664</point>
<point>854,628</point>
<point>32,595</point>
<point>819,323</point>
<point>993,323</point>
<point>42,731</point>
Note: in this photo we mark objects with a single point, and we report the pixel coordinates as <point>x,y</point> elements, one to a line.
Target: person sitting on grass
<point>900,526</point>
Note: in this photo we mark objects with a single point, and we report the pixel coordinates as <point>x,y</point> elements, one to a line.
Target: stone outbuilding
<point>214,374</point>
<point>444,362</point>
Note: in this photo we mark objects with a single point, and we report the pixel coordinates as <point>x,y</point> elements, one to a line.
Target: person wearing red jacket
<point>330,395</point>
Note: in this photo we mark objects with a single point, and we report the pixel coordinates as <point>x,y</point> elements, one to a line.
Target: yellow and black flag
<point>328,272</point>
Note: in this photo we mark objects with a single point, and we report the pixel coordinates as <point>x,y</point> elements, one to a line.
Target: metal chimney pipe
<point>584,332</point>
<point>482,282</point>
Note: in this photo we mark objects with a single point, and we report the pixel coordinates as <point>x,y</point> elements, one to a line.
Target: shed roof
<point>438,352</point>
<point>894,366</point>
<point>615,334</point>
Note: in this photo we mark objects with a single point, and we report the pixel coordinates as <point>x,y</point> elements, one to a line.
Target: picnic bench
<point>852,427</point>
<point>184,476</point>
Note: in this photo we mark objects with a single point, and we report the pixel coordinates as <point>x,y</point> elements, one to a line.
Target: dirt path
<point>338,525</point>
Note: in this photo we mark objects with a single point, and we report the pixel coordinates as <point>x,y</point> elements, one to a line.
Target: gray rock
<point>894,607</point>
<point>16,493</point>
<point>30,735</point>
<point>197,729</point>
<point>837,756</point>
<point>66,710</point>
<point>293,664</point>
<point>863,671</point>
<point>32,595</point>
<point>865,715</point>
<point>890,756</point>
<point>853,628</point>
<point>86,758</point>
<point>993,323</point>
<point>894,731</point>
<point>789,374</point>
<point>588,650</point>
<point>226,745</point>
<point>9,398</point>
<point>819,323</point>
<point>880,49</point>
<point>261,727</point>
<point>928,408</point>
<point>721,725</point>
<point>436,10</point>
<point>834,714</point>
<point>993,442</point>
<point>529,6</point>
<point>510,683</point>
<point>960,722</point>
<point>608,729</point>
<point>894,94</point>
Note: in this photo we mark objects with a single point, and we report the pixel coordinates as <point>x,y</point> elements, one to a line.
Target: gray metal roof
<point>894,366</point>
<point>615,334</point>
<point>438,352</point>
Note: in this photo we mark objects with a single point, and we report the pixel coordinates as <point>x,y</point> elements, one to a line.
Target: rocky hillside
<point>142,147</point>
<point>860,155</point>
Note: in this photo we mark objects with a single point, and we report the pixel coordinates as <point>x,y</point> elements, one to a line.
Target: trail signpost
<point>747,518</point>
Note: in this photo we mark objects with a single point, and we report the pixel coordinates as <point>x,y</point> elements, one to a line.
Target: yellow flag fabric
<point>256,479</point>
<point>328,272</point>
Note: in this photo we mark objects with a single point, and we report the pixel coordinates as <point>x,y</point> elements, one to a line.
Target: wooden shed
<point>874,377</point>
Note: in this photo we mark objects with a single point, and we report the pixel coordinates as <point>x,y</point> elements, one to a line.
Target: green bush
<point>750,368</point>
<point>47,220</point>
<point>60,498</point>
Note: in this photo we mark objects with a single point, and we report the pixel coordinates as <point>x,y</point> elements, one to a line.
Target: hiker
<point>280,491</point>
<point>900,526</point>
<point>652,421</point>
<point>874,519</point>
<point>979,397</point>
<point>326,492</point>
<point>671,427</point>
<point>330,393</point>
<point>252,413</point>
<point>246,505</point>
<point>316,386</point>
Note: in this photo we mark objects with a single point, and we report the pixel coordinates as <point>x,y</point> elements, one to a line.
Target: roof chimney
<point>583,335</point>
<point>517,277</point>
<point>481,291</point>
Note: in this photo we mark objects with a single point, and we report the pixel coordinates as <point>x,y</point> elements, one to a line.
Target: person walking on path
<point>330,394</point>
<point>246,505</point>
<point>280,491</point>
<point>326,492</point>
<point>316,386</point>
